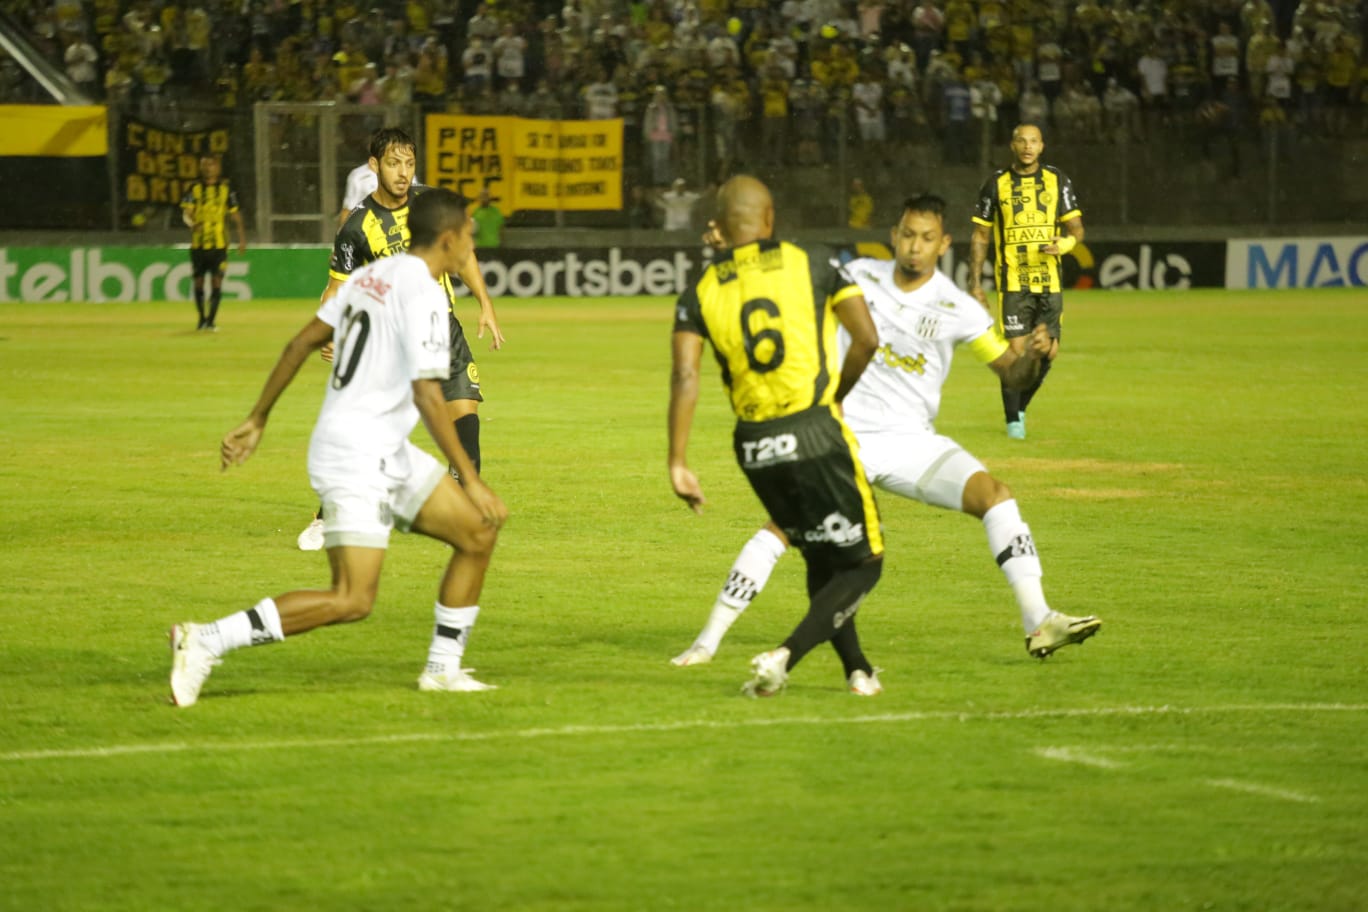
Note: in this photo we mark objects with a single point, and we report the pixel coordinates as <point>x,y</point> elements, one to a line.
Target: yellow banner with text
<point>527,164</point>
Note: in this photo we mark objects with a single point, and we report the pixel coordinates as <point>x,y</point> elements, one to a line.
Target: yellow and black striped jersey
<point>768,309</point>
<point>1025,211</point>
<point>370,232</point>
<point>210,205</point>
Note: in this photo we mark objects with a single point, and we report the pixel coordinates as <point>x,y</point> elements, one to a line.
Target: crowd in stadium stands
<point>774,77</point>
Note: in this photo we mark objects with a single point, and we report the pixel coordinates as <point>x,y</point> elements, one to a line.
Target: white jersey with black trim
<point>389,328</point>
<point>918,332</point>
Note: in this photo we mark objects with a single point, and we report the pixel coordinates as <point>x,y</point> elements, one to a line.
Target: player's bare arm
<point>242,441</point>
<point>853,312</point>
<point>334,283</point>
<point>978,253</point>
<point>1073,236</point>
<point>686,354</point>
<point>431,404</point>
<point>1019,369</point>
<point>473,277</point>
<point>241,233</point>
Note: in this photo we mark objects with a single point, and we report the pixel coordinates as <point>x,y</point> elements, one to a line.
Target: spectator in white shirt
<point>510,55</point>
<point>677,205</point>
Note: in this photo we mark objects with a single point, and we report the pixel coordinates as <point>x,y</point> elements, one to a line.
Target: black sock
<point>468,432</point>
<point>199,303</point>
<point>214,297</point>
<point>1011,404</point>
<point>831,607</point>
<point>1026,396</point>
<point>847,645</point>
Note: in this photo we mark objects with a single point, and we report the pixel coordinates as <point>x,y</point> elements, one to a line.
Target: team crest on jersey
<point>928,326</point>
<point>1045,197</point>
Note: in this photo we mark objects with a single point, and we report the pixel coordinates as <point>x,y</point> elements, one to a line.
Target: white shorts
<point>364,498</point>
<point>926,467</point>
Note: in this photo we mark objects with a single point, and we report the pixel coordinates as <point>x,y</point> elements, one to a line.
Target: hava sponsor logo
<point>86,276</point>
<point>574,275</point>
<point>1312,263</point>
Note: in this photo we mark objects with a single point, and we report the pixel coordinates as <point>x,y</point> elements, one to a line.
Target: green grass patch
<point>1195,474</point>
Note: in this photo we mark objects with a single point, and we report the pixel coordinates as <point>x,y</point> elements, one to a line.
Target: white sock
<point>450,637</point>
<point>748,576</point>
<point>256,626</point>
<point>1009,539</point>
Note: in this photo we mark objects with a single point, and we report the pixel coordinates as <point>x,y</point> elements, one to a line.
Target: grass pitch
<point>1195,474</point>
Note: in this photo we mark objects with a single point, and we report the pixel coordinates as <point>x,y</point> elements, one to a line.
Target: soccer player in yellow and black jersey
<point>379,228</point>
<point>770,310</point>
<point>1023,210</point>
<point>205,207</point>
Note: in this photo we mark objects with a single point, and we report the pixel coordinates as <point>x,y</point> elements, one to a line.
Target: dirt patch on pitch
<point>1099,493</point>
<point>1087,466</point>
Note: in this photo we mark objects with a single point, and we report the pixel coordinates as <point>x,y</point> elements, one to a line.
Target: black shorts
<point>1020,311</point>
<point>464,382</point>
<point>208,261</point>
<point>806,471</point>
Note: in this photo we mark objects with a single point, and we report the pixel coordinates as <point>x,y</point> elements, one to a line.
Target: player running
<point>389,326</point>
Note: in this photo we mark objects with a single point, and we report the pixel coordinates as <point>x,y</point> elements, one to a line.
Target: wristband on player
<point>1066,244</point>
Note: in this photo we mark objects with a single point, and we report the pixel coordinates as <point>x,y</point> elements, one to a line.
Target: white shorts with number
<point>364,498</point>
<point>928,467</point>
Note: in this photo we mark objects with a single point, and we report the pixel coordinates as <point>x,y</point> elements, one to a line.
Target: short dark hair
<point>435,211</point>
<point>382,139</point>
<point>925,202</point>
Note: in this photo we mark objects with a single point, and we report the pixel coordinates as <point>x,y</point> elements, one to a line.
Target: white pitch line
<point>571,731</point>
<point>1267,791</point>
<point>1074,755</point>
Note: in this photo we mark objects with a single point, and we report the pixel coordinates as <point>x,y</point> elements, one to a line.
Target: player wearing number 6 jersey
<point>389,327</point>
<point>770,310</point>
<point>921,317</point>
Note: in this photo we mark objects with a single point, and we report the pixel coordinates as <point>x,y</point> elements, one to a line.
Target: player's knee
<point>479,540</point>
<point>982,493</point>
<point>349,607</point>
<point>998,492</point>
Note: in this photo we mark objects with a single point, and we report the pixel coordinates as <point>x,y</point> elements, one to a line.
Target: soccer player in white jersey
<point>921,316</point>
<point>389,326</point>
